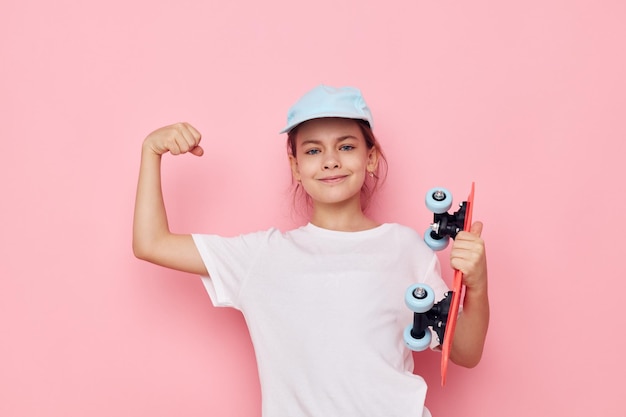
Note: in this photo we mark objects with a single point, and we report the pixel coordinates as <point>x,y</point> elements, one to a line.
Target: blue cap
<point>325,101</point>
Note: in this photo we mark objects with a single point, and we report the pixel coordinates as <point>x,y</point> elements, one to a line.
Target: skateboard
<point>420,298</point>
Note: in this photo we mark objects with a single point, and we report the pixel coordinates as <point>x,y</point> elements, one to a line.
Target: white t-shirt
<point>325,311</point>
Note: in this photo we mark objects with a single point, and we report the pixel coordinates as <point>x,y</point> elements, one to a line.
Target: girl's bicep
<point>179,252</point>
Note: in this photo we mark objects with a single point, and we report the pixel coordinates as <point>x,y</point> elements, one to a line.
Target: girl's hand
<point>468,256</point>
<point>176,139</point>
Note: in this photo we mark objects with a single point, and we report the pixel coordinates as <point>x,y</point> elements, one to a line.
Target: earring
<point>371,174</point>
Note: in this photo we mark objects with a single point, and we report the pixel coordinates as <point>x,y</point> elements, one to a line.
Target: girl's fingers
<point>468,251</point>
<point>476,229</point>
<point>197,136</point>
<point>178,139</point>
<point>173,146</point>
<point>198,151</point>
<point>187,139</point>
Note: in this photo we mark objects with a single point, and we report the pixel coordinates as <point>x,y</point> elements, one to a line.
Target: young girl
<point>324,302</point>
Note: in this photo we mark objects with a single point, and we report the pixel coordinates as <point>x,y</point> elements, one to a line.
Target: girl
<point>324,302</point>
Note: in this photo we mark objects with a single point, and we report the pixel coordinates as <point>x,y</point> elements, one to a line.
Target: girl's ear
<point>372,160</point>
<point>293,162</point>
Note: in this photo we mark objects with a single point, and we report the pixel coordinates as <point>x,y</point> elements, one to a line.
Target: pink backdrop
<point>528,99</point>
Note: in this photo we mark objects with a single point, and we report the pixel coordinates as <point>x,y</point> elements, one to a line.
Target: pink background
<point>528,99</point>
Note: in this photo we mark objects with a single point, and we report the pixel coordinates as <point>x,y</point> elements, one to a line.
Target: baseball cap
<point>325,101</point>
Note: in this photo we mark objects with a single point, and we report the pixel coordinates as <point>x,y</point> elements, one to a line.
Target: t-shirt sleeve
<point>228,261</point>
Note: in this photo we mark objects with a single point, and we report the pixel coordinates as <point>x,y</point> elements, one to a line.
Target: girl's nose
<point>331,159</point>
<point>331,163</point>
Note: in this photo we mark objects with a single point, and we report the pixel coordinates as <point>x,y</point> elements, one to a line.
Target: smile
<point>333,179</point>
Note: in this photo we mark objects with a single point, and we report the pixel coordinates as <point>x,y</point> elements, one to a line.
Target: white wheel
<point>435,244</point>
<point>438,200</point>
<point>414,344</point>
<point>419,298</point>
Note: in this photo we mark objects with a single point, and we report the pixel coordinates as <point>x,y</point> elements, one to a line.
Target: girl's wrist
<point>148,150</point>
<point>477,290</point>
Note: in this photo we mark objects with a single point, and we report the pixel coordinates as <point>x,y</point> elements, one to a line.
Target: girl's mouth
<point>333,179</point>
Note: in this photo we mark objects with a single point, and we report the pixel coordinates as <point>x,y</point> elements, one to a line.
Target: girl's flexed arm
<point>468,256</point>
<point>152,239</point>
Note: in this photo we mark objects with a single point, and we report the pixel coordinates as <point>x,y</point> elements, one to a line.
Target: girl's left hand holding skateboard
<point>468,256</point>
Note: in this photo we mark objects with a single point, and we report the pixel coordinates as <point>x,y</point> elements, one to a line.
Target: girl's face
<point>332,160</point>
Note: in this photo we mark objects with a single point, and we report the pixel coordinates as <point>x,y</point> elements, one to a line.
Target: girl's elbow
<point>138,252</point>
<point>141,250</point>
<point>469,361</point>
<point>472,363</point>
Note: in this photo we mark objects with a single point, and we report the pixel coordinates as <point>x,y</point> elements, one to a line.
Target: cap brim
<point>295,123</point>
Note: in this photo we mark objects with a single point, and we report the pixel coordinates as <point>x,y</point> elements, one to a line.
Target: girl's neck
<point>342,219</point>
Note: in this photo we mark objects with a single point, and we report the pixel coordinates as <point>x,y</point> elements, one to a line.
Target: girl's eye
<point>346,147</point>
<point>312,152</point>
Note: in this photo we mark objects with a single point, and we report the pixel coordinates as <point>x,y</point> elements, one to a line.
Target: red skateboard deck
<point>457,290</point>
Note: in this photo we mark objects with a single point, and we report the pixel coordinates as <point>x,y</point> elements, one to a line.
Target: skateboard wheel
<point>414,344</point>
<point>438,200</point>
<point>422,304</point>
<point>435,244</point>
